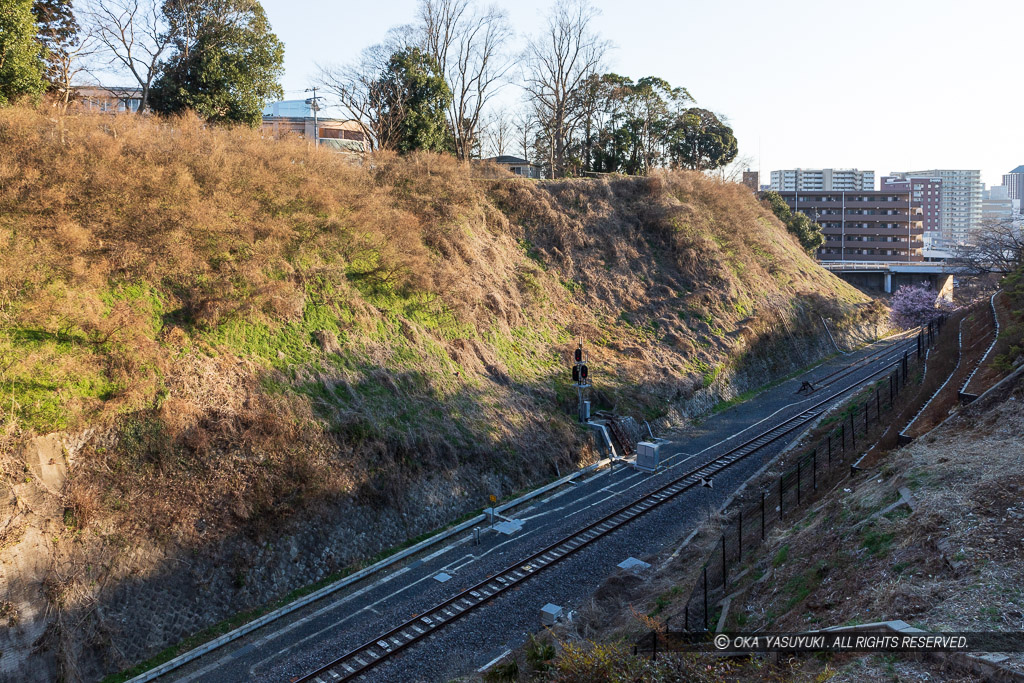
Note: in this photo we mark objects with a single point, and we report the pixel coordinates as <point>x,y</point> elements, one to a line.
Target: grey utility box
<point>648,456</point>
<point>549,614</point>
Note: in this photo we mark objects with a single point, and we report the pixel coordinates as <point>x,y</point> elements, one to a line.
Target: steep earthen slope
<point>262,364</point>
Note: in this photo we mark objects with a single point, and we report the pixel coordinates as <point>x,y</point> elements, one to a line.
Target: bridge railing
<point>886,265</point>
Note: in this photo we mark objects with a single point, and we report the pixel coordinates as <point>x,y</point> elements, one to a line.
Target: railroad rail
<point>361,659</point>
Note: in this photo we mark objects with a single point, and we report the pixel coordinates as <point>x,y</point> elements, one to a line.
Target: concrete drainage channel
<point>963,394</point>
<point>491,516</point>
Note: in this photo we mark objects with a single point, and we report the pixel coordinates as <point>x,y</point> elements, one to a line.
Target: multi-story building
<point>295,117</point>
<point>960,201</point>
<point>817,179</point>
<point>752,179</point>
<point>996,205</point>
<point>925,192</point>
<point>1014,182</point>
<point>863,226</point>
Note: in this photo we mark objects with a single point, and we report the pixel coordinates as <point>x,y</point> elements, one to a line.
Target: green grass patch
<point>665,599</point>
<point>800,586</point>
<point>876,542</point>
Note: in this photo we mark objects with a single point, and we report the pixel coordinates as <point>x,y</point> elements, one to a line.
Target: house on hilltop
<point>295,117</point>
<point>109,99</point>
<point>520,167</point>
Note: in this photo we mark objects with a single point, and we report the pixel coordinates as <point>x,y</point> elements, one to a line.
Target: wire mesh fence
<point>817,468</point>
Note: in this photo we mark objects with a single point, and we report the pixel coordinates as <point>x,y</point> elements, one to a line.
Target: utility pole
<point>315,106</point>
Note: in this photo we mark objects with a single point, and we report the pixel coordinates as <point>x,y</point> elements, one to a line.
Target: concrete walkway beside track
<point>319,632</point>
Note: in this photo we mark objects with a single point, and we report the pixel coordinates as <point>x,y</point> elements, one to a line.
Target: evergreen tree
<point>21,66</point>
<point>699,140</point>
<point>58,33</point>
<point>411,95</point>
<point>807,232</point>
<point>227,62</point>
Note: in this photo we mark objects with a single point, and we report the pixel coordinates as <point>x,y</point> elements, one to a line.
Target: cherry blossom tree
<point>915,305</point>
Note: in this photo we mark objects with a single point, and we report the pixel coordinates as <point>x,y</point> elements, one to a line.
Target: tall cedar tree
<point>413,93</point>
<point>21,66</point>
<point>227,62</point>
<point>58,31</point>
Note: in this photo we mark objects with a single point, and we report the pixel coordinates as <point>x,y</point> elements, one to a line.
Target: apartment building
<point>996,205</point>
<point>925,192</point>
<point>864,226</point>
<point>818,179</point>
<point>959,201</point>
<point>1014,183</point>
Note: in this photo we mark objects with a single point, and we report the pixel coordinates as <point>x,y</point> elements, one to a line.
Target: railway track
<point>363,658</point>
<point>900,346</point>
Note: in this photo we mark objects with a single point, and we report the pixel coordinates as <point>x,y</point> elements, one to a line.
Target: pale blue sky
<point>880,85</point>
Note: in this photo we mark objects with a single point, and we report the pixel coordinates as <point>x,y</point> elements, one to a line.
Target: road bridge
<point>887,275</point>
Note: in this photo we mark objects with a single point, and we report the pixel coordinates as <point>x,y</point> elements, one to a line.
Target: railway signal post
<point>581,380</point>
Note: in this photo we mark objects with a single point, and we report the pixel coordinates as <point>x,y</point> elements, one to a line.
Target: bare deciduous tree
<point>468,45</point>
<point>135,34</point>
<point>733,172</point>
<point>354,87</point>
<point>525,125</point>
<point>70,61</point>
<point>556,64</point>
<point>497,133</point>
<point>997,247</point>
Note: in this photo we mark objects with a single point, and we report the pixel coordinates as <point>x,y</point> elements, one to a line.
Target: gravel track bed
<point>485,633</point>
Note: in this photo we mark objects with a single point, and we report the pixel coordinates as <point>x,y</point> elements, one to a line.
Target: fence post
<point>705,597</point>
<point>762,514</point>
<point>891,397</point>
<point>798,482</point>
<point>739,535</point>
<point>853,426</point>
<point>814,469</point>
<point>781,514</point>
<point>724,569</point>
<point>919,345</point>
<point>878,407</point>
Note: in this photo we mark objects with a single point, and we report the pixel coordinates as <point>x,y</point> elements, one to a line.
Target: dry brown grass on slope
<point>407,313</point>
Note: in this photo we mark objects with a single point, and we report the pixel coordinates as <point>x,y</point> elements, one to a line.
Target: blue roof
<point>1019,169</point>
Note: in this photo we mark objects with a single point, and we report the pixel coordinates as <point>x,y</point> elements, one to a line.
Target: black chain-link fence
<point>820,467</point>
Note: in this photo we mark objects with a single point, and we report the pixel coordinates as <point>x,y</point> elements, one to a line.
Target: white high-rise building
<point>960,204</point>
<point>823,180</point>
